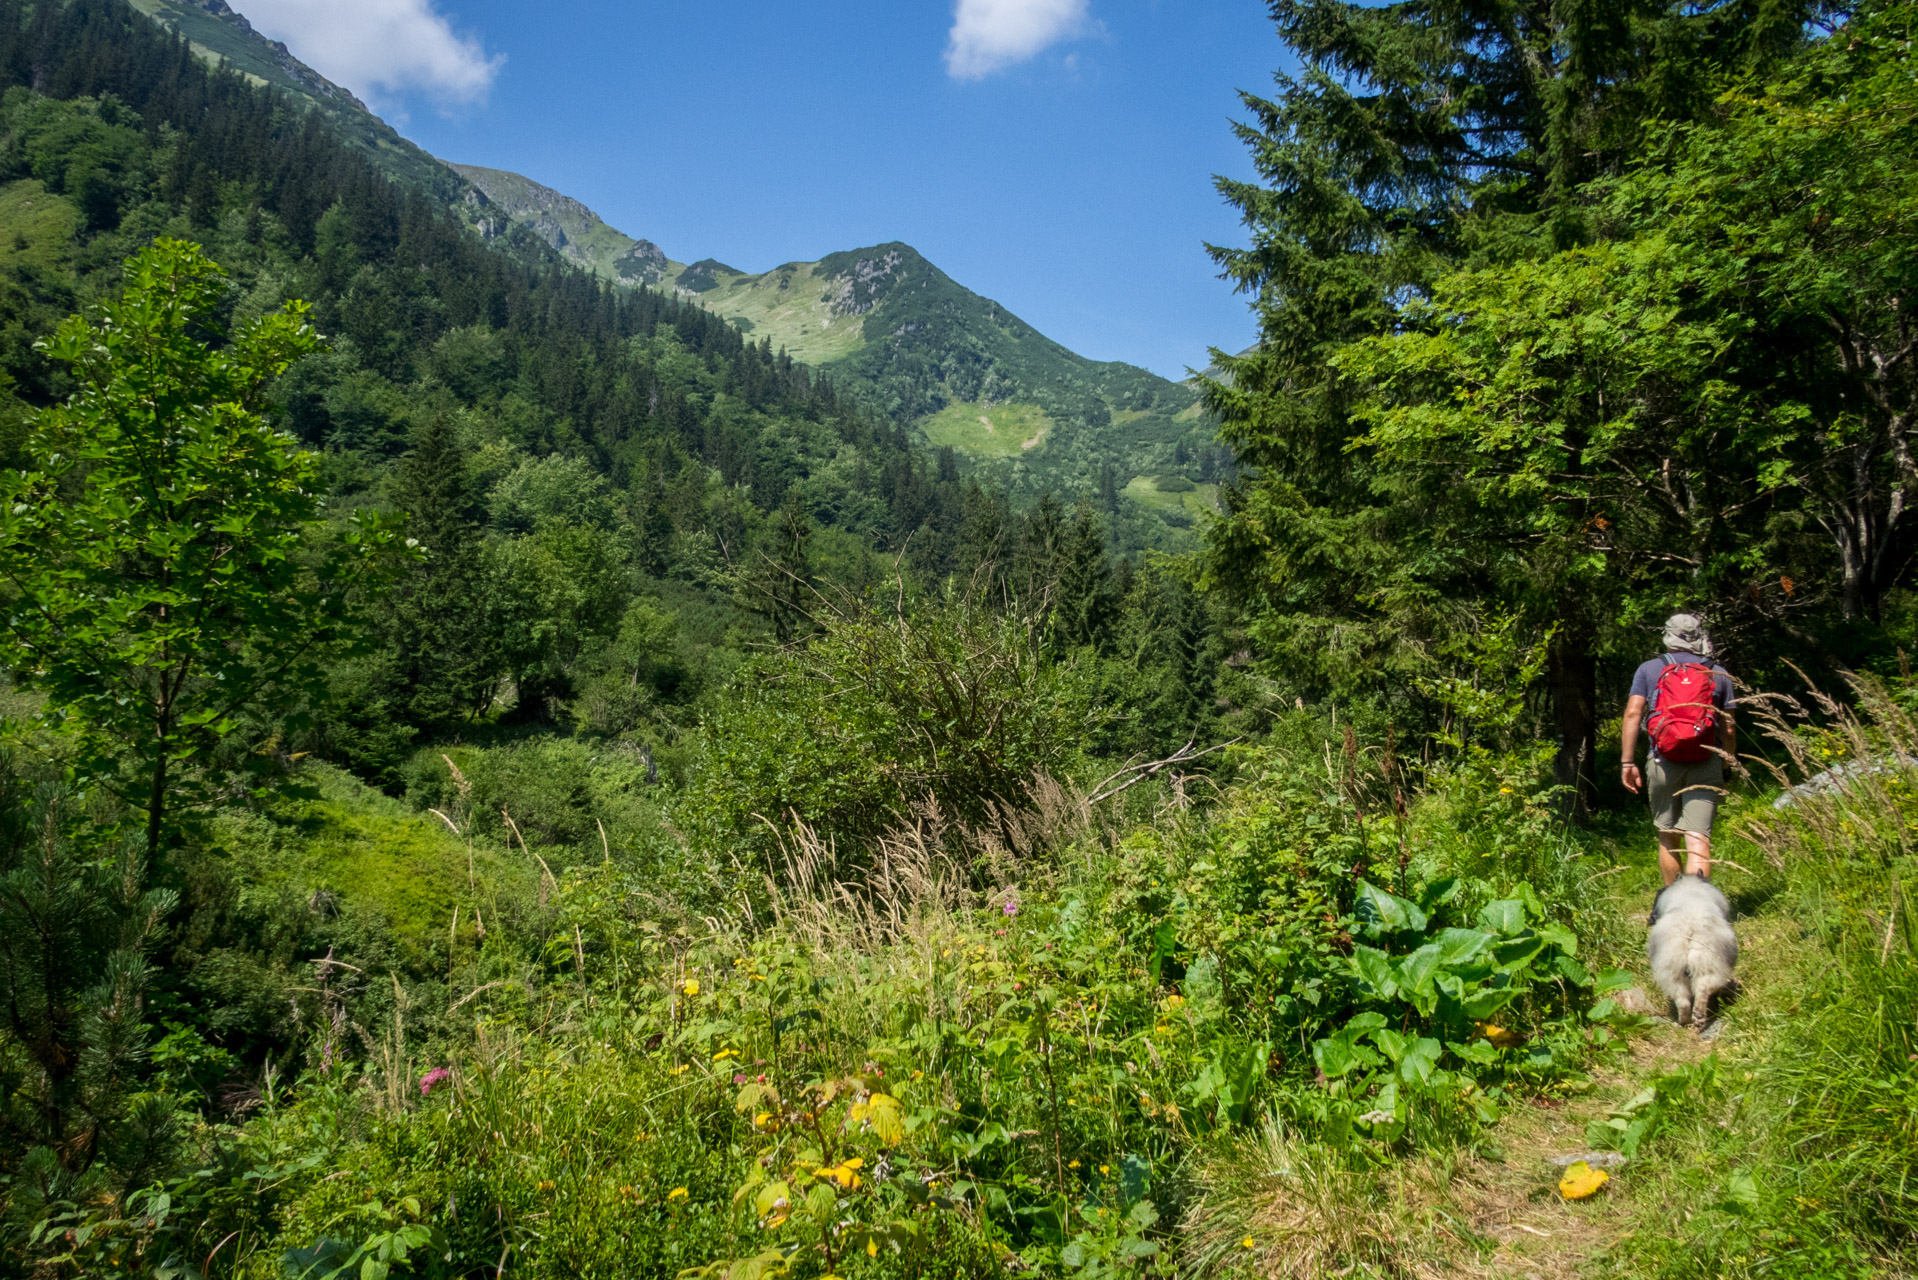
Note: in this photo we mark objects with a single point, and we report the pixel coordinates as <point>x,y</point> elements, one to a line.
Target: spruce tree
<point>1169,640</point>
<point>1420,137</point>
<point>985,541</point>
<point>1083,599</point>
<point>780,587</point>
<point>1042,541</point>
<point>652,525</point>
<point>76,918</point>
<point>442,657</point>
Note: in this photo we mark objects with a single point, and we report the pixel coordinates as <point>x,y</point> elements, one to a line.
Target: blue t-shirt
<point>1645,683</point>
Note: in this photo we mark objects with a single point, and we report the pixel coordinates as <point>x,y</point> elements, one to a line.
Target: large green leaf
<point>1384,912</point>
<point>1415,974</point>
<point>1342,1053</point>
<point>1420,1060</point>
<point>1486,1001</point>
<point>1394,1043</point>
<point>1505,917</point>
<point>1559,936</point>
<point>1462,946</point>
<point>1375,969</point>
<point>1612,980</point>
<point>1516,953</point>
<point>1439,892</point>
<point>1480,1052</point>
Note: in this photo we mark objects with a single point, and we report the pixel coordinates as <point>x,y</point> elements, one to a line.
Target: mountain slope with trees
<point>925,351</point>
<point>883,322</point>
<point>225,38</point>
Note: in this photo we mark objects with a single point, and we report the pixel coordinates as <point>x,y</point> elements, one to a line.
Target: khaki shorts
<point>1685,796</point>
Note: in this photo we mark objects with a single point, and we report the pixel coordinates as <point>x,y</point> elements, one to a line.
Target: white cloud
<point>381,49</point>
<point>990,35</point>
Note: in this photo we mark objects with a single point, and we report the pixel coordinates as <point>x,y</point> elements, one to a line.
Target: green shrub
<point>879,715</point>
<point>558,792</point>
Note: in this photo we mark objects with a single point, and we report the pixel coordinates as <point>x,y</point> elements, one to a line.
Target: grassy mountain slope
<point>572,228</point>
<point>963,370</point>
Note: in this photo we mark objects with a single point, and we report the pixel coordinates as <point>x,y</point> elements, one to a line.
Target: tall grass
<point>1278,1206</point>
<point>1842,1084</point>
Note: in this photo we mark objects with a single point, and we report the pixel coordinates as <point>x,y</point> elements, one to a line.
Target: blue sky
<point>1053,154</point>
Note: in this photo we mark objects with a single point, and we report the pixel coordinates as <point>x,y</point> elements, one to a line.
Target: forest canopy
<point>1585,322</point>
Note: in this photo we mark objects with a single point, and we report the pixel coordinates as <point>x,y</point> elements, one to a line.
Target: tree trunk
<point>1574,672</point>
<point>156,805</point>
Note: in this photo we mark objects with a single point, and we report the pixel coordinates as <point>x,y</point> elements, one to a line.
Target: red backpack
<point>1685,724</point>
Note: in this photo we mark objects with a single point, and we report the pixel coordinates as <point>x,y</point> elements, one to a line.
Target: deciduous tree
<point>170,571</point>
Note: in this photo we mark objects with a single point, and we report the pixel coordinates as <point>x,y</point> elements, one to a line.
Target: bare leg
<point>1668,845</point>
<point>1698,855</point>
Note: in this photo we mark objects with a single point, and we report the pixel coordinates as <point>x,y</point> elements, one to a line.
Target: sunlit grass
<point>988,430</point>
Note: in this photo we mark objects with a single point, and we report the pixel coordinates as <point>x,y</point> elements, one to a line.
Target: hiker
<point>1685,701</point>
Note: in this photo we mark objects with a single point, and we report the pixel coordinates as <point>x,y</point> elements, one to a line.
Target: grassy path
<point>1496,1213</point>
<point>1515,1202</point>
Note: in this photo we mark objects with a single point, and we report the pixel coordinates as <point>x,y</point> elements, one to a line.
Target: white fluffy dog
<point>1692,947</point>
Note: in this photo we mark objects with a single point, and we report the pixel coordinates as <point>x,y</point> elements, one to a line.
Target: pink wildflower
<point>437,1075</point>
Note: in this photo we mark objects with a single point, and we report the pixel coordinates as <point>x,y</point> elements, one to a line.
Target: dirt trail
<point>1508,1211</point>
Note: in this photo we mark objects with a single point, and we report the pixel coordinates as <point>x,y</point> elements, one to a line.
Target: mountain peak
<point>863,276</point>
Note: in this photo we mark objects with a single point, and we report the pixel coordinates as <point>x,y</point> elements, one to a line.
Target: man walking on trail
<point>1685,699</point>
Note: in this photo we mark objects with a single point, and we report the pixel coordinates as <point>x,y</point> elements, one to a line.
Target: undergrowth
<point>1265,1035</point>
<point>1032,1042</point>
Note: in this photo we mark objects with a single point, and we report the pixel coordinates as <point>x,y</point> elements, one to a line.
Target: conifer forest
<point>507,772</point>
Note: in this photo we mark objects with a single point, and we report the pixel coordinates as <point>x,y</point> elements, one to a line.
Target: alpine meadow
<point>521,756</point>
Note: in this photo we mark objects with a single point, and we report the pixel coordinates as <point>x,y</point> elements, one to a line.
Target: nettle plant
<point>1437,1034</point>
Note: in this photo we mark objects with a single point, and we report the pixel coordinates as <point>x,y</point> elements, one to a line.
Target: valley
<point>889,325</point>
<point>928,352</point>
